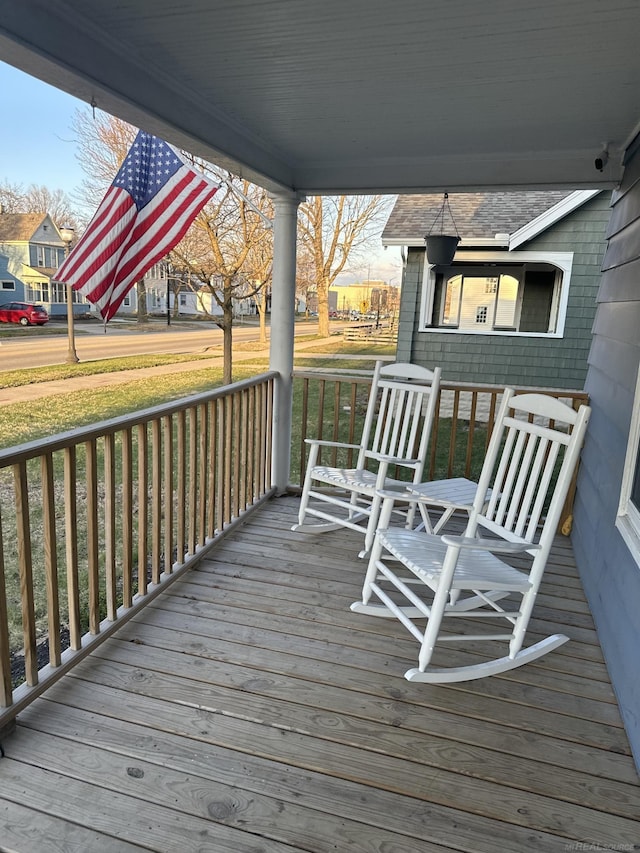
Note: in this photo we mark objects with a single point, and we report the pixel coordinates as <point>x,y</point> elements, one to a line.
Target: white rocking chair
<point>417,575</point>
<point>397,426</point>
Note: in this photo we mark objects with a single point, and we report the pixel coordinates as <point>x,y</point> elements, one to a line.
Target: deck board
<point>247,708</point>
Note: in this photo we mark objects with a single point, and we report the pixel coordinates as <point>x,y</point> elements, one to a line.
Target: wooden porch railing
<point>125,506</point>
<point>333,407</point>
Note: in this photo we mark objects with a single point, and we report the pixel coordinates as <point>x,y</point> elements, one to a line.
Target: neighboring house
<point>160,287</point>
<point>35,250</point>
<point>516,306</point>
<point>11,288</point>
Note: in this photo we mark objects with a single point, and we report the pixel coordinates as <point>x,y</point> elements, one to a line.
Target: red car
<point>25,313</point>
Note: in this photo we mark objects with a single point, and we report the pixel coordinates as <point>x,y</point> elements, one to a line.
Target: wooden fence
<point>126,506</point>
<point>333,406</point>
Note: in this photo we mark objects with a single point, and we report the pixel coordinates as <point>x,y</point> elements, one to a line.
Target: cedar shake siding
<point>552,362</point>
<point>609,571</point>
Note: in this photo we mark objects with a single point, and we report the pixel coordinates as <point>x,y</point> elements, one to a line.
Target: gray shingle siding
<point>514,360</point>
<point>610,574</point>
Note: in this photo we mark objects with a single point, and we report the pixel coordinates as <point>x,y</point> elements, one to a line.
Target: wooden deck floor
<point>248,709</point>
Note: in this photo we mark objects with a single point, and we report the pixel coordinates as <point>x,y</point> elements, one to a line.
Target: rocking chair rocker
<point>398,422</point>
<point>418,575</point>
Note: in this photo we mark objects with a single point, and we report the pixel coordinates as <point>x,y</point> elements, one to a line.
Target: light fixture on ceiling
<point>603,158</point>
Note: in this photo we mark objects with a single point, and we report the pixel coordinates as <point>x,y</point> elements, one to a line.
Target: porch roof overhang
<point>328,97</point>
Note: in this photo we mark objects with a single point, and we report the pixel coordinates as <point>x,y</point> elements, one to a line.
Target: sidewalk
<point>38,390</point>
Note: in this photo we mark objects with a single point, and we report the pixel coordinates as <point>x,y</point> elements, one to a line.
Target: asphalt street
<point>92,343</point>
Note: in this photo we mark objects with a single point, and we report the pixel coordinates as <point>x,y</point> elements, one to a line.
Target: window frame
<point>628,515</point>
<point>563,261</point>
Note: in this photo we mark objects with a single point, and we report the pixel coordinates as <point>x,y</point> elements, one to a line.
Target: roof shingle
<point>19,226</point>
<point>476,215</point>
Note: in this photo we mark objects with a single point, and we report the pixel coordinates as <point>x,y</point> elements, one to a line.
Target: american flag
<point>148,208</point>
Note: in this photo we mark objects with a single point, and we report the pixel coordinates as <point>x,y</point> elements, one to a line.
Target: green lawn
<point>36,419</point>
<point>54,372</point>
<point>48,416</point>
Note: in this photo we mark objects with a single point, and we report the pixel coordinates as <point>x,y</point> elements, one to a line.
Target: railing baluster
<point>472,424</point>
<point>251,445</point>
<point>336,421</point>
<point>268,421</point>
<point>352,422</point>
<point>143,512</point>
<point>434,438</point>
<point>220,464</point>
<point>156,500</point>
<point>93,561</point>
<point>181,495</point>
<point>241,451</point>
<point>454,432</point>
<point>127,518</point>
<point>50,559</point>
<point>262,439</point>
<point>320,424</point>
<point>110,526</point>
<point>235,445</point>
<point>304,418</point>
<point>201,496</point>
<point>71,539</point>
<point>25,564</point>
<point>193,479</point>
<point>213,439</point>
<point>228,459</point>
<point>168,493</point>
<point>6,691</point>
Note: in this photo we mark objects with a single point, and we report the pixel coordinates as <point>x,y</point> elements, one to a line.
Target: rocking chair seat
<point>355,479</point>
<point>479,569</point>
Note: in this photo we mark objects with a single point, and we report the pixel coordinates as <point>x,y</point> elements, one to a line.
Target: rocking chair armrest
<point>397,493</point>
<point>393,460</point>
<point>320,442</point>
<point>498,546</point>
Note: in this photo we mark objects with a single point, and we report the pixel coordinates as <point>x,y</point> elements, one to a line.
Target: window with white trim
<point>628,518</point>
<point>7,285</point>
<point>506,293</point>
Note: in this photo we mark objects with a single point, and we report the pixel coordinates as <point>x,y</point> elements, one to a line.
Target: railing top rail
<point>363,376</point>
<point>40,446</point>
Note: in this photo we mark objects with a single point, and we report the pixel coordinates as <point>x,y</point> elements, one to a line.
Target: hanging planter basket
<point>441,247</point>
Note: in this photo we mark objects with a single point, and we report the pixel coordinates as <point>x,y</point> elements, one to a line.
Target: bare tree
<point>305,275</point>
<point>332,230</point>
<point>14,198</point>
<point>225,250</point>
<point>103,142</point>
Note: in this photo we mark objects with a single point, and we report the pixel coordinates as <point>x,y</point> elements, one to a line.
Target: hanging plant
<point>441,245</point>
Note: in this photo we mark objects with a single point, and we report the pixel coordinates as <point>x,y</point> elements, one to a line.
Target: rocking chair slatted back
<point>531,461</point>
<point>398,427</point>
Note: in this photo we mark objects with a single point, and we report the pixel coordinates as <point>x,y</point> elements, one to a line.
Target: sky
<point>37,147</point>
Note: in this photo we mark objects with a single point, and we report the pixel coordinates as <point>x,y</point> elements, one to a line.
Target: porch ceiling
<point>327,96</point>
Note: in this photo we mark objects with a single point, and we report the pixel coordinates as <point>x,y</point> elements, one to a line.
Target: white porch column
<point>283,303</point>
